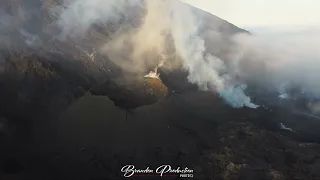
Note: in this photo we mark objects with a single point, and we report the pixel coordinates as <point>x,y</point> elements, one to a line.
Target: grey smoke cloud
<point>77,16</point>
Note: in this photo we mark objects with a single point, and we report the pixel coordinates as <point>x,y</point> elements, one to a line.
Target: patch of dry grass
<point>155,87</point>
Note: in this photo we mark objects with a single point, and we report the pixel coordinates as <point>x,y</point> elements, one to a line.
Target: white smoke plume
<point>148,42</point>
<point>205,69</point>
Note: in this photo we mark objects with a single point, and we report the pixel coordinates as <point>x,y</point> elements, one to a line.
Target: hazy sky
<point>256,13</point>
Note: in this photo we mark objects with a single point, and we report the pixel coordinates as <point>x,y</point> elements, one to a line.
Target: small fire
<point>154,73</point>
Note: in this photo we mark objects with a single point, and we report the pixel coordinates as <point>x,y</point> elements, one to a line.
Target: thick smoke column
<point>138,49</point>
<point>205,69</point>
